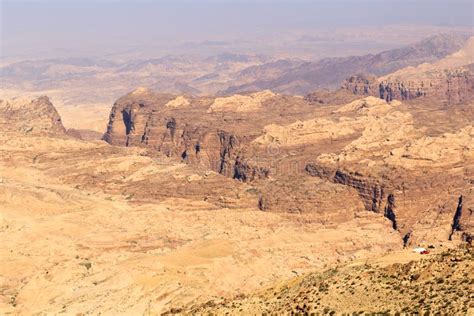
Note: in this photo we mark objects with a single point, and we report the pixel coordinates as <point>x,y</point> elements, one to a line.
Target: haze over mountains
<point>104,79</point>
<point>305,77</point>
<point>43,29</point>
<point>283,47</point>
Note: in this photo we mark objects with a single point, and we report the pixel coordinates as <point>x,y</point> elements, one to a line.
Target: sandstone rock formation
<point>207,132</point>
<point>178,102</point>
<point>241,103</point>
<point>382,151</point>
<point>385,153</point>
<point>413,179</point>
<point>192,204</point>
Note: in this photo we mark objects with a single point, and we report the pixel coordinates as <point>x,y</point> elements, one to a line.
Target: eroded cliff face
<point>30,116</point>
<point>91,226</point>
<point>453,86</point>
<point>422,207</point>
<point>211,133</point>
<point>215,197</point>
<point>372,193</point>
<point>361,85</point>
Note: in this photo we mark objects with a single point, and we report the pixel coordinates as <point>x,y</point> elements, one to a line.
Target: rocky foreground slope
<point>437,284</point>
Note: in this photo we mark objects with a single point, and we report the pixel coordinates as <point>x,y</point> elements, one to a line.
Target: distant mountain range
<point>66,79</point>
<point>303,77</point>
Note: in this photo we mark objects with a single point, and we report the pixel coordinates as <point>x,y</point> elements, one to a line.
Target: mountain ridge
<point>330,72</point>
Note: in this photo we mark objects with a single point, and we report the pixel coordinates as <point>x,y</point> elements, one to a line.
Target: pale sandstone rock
<point>180,101</point>
<point>241,103</point>
<point>306,132</point>
<point>447,149</point>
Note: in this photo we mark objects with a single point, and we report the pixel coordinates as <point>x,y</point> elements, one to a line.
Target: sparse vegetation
<point>414,290</point>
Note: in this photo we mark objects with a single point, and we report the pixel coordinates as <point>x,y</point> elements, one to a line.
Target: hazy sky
<point>41,27</point>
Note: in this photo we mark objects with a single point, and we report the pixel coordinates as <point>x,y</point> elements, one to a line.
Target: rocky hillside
<point>439,283</point>
<point>306,77</point>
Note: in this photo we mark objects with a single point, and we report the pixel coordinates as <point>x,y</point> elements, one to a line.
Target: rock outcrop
<point>208,132</point>
<point>361,84</point>
<point>190,202</point>
<point>241,103</point>
<point>30,116</point>
<point>197,198</point>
